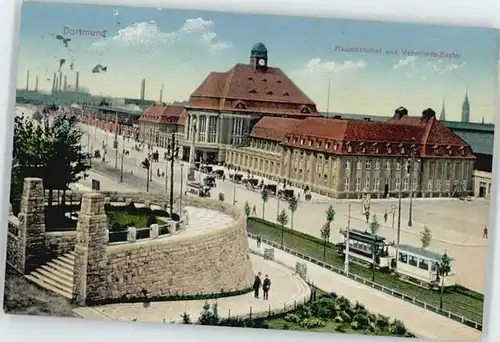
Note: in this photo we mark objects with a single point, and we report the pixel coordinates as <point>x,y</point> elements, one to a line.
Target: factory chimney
<point>28,80</point>
<point>77,83</point>
<point>65,86</point>
<point>143,89</point>
<point>36,83</point>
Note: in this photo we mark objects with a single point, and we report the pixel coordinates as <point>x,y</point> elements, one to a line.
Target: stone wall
<point>193,262</point>
<point>58,243</point>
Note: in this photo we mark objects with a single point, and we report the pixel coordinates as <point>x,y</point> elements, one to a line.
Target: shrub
<point>345,316</point>
<point>151,220</point>
<point>397,327</point>
<point>303,311</point>
<point>354,325</point>
<point>292,318</point>
<point>323,308</point>
<point>232,322</point>
<point>160,213</point>
<point>116,227</point>
<point>339,320</point>
<point>362,320</point>
<point>382,322</point>
<point>343,302</point>
<point>372,318</point>
<point>374,329</point>
<point>221,196</point>
<point>185,318</point>
<point>286,326</point>
<point>360,309</point>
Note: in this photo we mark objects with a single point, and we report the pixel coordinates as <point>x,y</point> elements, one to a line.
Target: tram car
<point>197,189</point>
<point>365,248</point>
<point>420,266</point>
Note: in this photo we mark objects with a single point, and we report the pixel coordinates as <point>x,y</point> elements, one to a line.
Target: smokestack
<point>54,82</point>
<point>77,83</point>
<point>60,81</point>
<point>161,93</point>
<point>143,89</point>
<point>65,86</point>
<point>27,80</point>
<point>36,83</point>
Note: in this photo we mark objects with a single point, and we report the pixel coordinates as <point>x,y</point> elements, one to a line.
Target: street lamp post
<point>192,148</point>
<point>234,188</point>
<point>393,212</point>
<point>180,198</point>
<point>121,165</point>
<point>398,236</point>
<point>115,142</point>
<point>173,151</point>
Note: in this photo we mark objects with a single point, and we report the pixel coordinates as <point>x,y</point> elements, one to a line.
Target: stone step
<point>43,283</point>
<point>69,266</point>
<point>61,268</point>
<point>71,253</point>
<point>53,276</point>
<point>57,272</point>
<point>67,260</point>
<point>70,256</point>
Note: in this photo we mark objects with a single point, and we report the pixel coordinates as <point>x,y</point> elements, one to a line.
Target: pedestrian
<point>367,215</point>
<point>254,210</point>
<point>385,216</point>
<point>485,232</point>
<point>259,240</point>
<point>256,285</point>
<point>266,285</point>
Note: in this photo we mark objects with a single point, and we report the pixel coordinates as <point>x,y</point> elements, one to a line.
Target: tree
<point>325,235</point>
<point>247,209</point>
<point>264,195</point>
<point>330,214</point>
<point>283,220</point>
<point>293,204</point>
<point>374,227</point>
<point>444,268</point>
<point>48,150</point>
<point>426,237</point>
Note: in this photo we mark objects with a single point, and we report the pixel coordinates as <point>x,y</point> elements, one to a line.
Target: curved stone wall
<point>194,262</point>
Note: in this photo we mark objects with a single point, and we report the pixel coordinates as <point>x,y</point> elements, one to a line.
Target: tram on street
<point>198,189</point>
<point>421,267</point>
<point>361,249</point>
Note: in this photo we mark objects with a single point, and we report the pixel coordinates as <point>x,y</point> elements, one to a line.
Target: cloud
<point>317,66</point>
<point>197,31</point>
<point>425,68</point>
<point>408,61</point>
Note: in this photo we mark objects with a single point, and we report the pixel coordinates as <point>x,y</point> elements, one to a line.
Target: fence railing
<point>364,281</point>
<point>132,234</point>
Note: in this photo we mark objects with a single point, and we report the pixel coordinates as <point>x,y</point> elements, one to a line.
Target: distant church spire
<point>442,116</point>
<point>466,108</point>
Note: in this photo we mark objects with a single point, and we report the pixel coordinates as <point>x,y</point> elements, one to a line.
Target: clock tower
<point>258,57</point>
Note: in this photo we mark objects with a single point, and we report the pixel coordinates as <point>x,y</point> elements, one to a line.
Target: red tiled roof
<point>273,128</point>
<point>420,137</point>
<point>246,89</point>
<point>162,114</point>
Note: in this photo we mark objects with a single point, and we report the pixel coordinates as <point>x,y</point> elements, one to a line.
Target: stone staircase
<point>56,275</point>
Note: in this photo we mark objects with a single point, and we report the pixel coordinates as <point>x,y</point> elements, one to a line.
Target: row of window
<point>416,261</point>
<point>436,186</point>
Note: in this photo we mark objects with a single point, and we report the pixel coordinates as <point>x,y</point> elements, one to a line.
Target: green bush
<point>343,302</point>
<point>354,325</point>
<point>345,317</point>
<point>292,318</point>
<point>372,317</point>
<point>397,327</point>
<point>286,326</point>
<point>116,227</point>
<point>362,320</point>
<point>323,308</point>
<point>339,320</point>
<point>340,328</point>
<point>360,309</point>
<point>151,220</point>
<point>382,321</point>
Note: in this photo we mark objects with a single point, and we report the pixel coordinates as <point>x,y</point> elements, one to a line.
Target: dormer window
<point>241,106</point>
<point>349,148</point>
<point>253,91</point>
<point>363,149</point>
<point>402,150</point>
<point>278,81</point>
<point>301,141</point>
<point>264,80</point>
<point>450,152</point>
<point>269,93</point>
<point>250,78</point>
<point>310,143</point>
<point>286,93</point>
<point>306,110</point>
<point>462,151</point>
<point>295,141</point>
<point>327,146</point>
<point>377,150</point>
<point>335,147</point>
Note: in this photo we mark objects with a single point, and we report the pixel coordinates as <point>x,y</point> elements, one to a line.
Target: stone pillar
<point>269,253</point>
<point>207,123</point>
<point>32,224</point>
<point>301,269</point>
<point>90,272</point>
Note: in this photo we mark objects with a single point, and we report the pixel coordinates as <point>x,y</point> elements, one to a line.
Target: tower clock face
<point>262,62</point>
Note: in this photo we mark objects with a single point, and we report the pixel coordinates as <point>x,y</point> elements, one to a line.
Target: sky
<point>179,48</point>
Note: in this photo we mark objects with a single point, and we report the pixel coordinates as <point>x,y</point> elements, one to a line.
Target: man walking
<point>256,285</point>
<point>266,285</point>
<point>385,216</point>
<point>259,240</point>
<point>485,232</point>
<point>254,210</point>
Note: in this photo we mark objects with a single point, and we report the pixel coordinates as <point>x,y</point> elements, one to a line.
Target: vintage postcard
<point>251,171</point>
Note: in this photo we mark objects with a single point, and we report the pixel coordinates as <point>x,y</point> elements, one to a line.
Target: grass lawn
<point>24,298</point>
<point>330,326</point>
<point>459,300</point>
<point>124,219</point>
